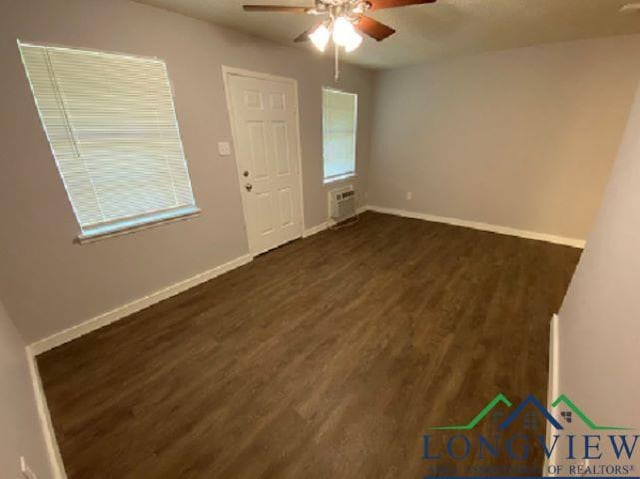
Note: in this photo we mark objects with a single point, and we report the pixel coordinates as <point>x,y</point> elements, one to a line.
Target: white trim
<point>134,228</point>
<point>327,224</point>
<point>226,73</point>
<point>315,229</point>
<point>125,310</point>
<point>343,177</point>
<point>243,72</point>
<point>505,230</point>
<point>554,360</point>
<point>348,174</point>
<point>553,388</point>
<point>51,444</point>
<point>59,46</point>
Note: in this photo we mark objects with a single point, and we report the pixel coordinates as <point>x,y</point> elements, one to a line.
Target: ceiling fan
<point>345,19</point>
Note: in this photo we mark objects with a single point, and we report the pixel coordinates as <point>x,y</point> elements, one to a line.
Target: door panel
<point>286,207</point>
<point>265,127</point>
<point>264,216</point>
<point>253,100</point>
<point>281,148</point>
<point>258,147</point>
<point>277,101</point>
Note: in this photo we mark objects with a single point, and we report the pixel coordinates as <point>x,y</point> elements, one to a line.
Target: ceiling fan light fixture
<point>347,22</point>
<point>354,42</point>
<point>344,32</point>
<point>359,8</point>
<point>320,37</point>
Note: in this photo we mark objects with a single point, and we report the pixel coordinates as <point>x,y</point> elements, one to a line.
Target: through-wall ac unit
<point>342,203</point>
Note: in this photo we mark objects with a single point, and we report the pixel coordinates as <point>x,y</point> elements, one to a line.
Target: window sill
<point>336,179</point>
<point>129,226</point>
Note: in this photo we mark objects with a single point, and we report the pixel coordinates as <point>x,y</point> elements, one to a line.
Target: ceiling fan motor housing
<point>346,8</point>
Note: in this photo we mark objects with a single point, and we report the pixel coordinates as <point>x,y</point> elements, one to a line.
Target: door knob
<point>248,186</point>
<point>245,174</point>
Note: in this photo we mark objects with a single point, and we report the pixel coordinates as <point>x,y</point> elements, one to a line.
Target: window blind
<point>111,124</point>
<point>339,125</point>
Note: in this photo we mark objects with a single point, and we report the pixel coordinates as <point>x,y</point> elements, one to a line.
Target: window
<point>339,125</point>
<point>113,131</point>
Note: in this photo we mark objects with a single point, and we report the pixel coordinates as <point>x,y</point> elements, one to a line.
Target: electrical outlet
<point>409,196</point>
<point>27,473</point>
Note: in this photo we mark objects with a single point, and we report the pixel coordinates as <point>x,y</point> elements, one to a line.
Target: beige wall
<point>21,432</point>
<point>522,138</point>
<point>47,282</point>
<point>599,327</point>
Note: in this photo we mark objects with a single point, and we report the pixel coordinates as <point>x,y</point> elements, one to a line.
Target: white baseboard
<point>51,444</point>
<point>553,388</point>
<point>323,226</point>
<point>362,209</point>
<point>315,229</point>
<point>554,361</point>
<point>505,230</point>
<point>122,311</point>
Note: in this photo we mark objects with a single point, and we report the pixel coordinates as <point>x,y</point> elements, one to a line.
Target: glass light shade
<point>354,42</point>
<point>343,32</point>
<point>320,37</point>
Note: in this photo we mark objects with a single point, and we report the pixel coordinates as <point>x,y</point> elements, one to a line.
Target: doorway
<point>263,111</point>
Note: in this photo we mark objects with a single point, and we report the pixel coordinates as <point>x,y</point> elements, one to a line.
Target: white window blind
<point>339,126</point>
<point>111,124</point>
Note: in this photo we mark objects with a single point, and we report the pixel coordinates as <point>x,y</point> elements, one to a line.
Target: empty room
<point>319,239</point>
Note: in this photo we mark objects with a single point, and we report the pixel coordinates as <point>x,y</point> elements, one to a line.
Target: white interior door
<point>265,122</point>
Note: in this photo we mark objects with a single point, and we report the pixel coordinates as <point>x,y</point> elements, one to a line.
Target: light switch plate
<point>224,148</point>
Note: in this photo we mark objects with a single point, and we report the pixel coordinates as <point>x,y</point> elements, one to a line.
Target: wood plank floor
<point>327,358</point>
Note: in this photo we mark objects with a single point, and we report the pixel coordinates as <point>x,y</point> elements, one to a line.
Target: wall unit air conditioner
<point>342,203</point>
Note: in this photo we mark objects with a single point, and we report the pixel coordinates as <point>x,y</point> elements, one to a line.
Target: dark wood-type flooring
<point>329,357</point>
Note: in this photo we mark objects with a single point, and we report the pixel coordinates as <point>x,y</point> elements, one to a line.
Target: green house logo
<point>532,401</point>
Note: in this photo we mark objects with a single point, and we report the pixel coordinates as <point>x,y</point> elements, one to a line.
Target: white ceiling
<point>429,32</point>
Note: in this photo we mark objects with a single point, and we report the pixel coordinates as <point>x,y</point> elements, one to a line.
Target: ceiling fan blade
<point>276,8</point>
<point>379,4</point>
<point>304,36</point>
<point>374,28</point>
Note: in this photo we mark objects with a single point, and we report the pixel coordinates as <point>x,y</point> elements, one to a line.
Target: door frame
<point>227,73</point>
